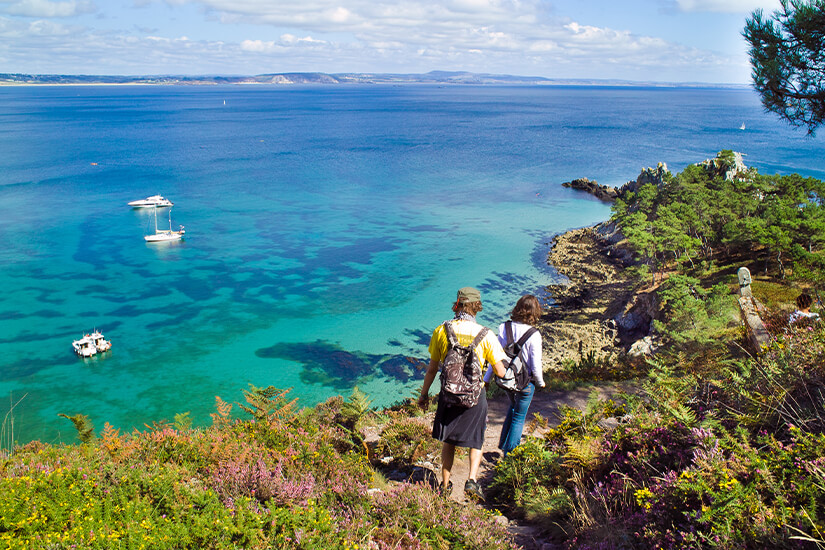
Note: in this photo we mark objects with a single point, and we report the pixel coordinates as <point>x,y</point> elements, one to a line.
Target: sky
<point>638,40</point>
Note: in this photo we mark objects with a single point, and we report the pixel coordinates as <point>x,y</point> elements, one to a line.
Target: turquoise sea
<point>327,228</point>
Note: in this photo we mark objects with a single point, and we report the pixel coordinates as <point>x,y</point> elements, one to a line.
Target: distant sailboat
<point>742,127</point>
<point>164,235</point>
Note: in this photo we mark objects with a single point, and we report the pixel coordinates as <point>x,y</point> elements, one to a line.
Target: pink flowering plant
<point>280,478</point>
<point>731,457</point>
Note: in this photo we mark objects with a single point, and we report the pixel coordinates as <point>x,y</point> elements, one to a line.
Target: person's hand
<point>423,402</point>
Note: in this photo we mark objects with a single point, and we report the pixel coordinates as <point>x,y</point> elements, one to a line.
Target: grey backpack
<point>516,374</point>
<point>462,379</point>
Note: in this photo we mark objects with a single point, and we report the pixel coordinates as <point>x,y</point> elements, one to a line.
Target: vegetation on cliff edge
<point>720,446</point>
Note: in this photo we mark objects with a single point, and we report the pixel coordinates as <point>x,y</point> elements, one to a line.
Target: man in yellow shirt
<point>454,425</point>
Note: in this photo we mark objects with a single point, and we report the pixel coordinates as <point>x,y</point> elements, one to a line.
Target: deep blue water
<point>327,227</point>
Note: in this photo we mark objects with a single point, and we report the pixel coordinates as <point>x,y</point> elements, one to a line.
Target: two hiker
<point>460,347</point>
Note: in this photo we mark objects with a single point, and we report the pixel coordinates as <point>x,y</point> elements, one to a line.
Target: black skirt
<point>461,426</point>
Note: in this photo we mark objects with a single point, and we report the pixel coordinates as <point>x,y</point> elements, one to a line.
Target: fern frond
<point>357,406</point>
<point>110,437</point>
<point>221,417</point>
<point>85,428</point>
<point>183,421</point>
<point>269,403</point>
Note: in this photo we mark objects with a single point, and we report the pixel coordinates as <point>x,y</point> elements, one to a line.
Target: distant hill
<point>433,77</point>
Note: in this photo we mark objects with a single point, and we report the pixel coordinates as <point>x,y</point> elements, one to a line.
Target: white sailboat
<point>164,235</point>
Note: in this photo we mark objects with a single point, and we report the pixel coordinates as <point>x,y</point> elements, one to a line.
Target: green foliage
<point>413,516</point>
<point>783,386</point>
<point>522,481</point>
<point>356,407</point>
<point>183,421</point>
<point>594,367</point>
<point>407,439</point>
<point>786,53</point>
<point>83,425</point>
<point>704,213</point>
<point>729,457</point>
<point>268,403</point>
<point>273,481</point>
<point>7,438</point>
<point>694,315</point>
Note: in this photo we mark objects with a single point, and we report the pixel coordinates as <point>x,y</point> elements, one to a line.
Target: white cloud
<point>47,8</point>
<point>49,29</point>
<point>498,36</point>
<point>287,41</point>
<point>258,46</point>
<point>727,6</point>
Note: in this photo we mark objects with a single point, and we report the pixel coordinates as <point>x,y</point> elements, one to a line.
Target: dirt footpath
<point>545,403</point>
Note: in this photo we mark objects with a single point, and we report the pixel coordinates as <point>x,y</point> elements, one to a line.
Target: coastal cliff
<point>601,310</point>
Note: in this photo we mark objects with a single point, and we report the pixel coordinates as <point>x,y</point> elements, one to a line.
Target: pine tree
<point>787,53</point>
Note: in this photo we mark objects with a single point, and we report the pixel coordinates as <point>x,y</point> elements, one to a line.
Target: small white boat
<point>91,344</point>
<point>164,235</point>
<point>85,347</point>
<point>101,344</point>
<point>155,201</point>
<point>742,127</point>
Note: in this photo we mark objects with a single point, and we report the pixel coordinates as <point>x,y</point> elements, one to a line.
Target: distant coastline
<point>433,77</point>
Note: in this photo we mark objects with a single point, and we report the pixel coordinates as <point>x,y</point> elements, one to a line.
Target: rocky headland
<point>729,167</point>
<point>601,309</point>
<point>603,192</point>
<point>607,193</point>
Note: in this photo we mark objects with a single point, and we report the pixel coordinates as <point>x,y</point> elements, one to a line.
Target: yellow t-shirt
<point>489,349</point>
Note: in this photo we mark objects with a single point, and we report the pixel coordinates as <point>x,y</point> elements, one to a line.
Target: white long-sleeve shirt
<point>530,353</point>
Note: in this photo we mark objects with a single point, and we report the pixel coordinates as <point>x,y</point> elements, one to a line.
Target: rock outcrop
<point>727,164</point>
<point>656,176</point>
<point>636,321</point>
<point>602,192</point>
<point>582,321</point>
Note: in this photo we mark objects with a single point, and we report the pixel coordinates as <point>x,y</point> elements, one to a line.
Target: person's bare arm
<point>432,370</point>
<point>499,368</point>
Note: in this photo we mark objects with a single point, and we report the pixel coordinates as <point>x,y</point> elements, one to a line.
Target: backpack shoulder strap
<point>508,328</point>
<point>517,347</point>
<point>479,337</point>
<point>526,336</point>
<point>452,339</point>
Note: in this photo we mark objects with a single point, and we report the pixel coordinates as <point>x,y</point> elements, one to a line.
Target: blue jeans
<point>516,414</point>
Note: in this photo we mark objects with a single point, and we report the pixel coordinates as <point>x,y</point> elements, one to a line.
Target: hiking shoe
<point>473,490</point>
<point>445,491</point>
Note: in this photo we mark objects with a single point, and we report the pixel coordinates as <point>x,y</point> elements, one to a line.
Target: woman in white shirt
<point>803,310</point>
<point>526,313</point>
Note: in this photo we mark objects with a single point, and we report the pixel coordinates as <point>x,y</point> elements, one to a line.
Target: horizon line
<point>317,77</point>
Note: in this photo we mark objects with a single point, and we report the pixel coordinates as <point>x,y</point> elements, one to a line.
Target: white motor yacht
<point>85,347</point>
<point>156,201</point>
<point>101,344</point>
